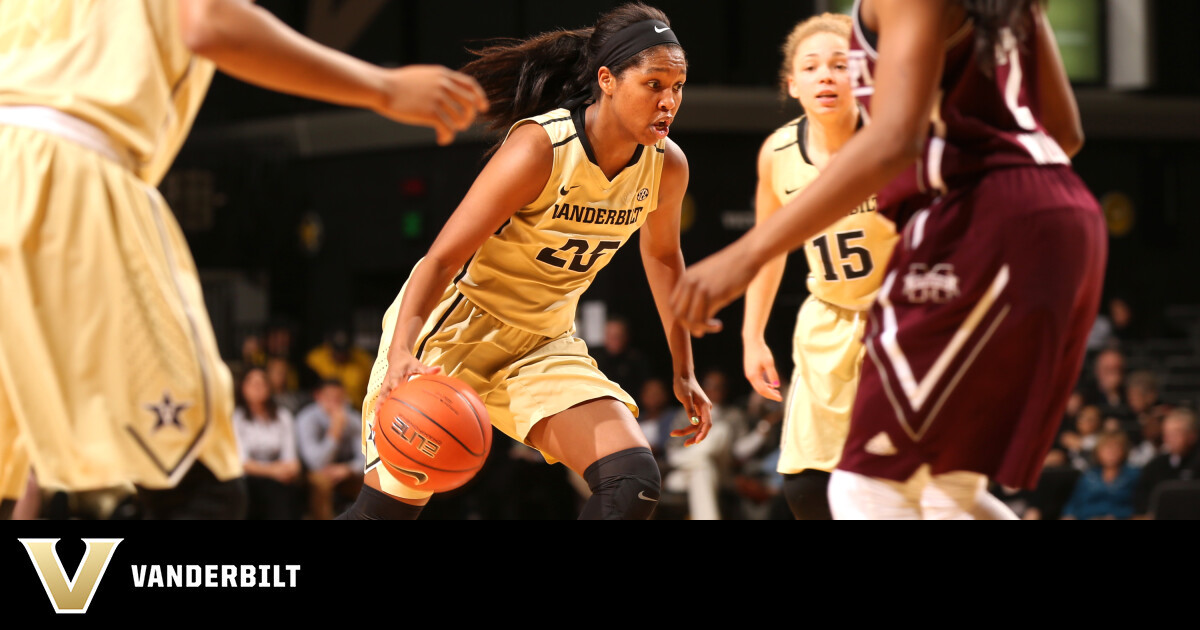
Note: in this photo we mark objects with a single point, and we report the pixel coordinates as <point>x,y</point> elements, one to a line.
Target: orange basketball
<point>433,433</point>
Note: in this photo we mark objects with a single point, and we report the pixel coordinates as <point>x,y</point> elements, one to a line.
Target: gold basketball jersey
<point>847,261</point>
<point>531,273</point>
<point>97,61</point>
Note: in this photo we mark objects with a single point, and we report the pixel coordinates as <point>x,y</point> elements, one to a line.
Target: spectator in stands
<point>705,471</point>
<point>1123,324</point>
<point>338,359</point>
<point>756,454</point>
<point>279,346</point>
<point>1078,444</point>
<point>1180,458</point>
<point>657,415</point>
<point>1149,444</point>
<point>1114,325</point>
<point>267,442</point>
<point>279,340</point>
<point>1101,335</point>
<point>1054,487</point>
<point>619,361</point>
<point>1141,396</point>
<point>329,433</point>
<point>1107,390</point>
<point>1105,491</point>
<point>250,355</point>
<point>286,392</point>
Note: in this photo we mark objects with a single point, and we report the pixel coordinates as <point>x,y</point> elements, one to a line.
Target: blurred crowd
<point>1123,451</point>
<point>1120,450</point>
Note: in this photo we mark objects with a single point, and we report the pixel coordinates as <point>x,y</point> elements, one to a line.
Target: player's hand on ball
<point>433,96</point>
<point>698,408</point>
<point>708,286</point>
<point>401,367</point>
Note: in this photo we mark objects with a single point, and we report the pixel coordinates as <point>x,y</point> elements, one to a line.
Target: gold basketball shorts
<point>522,377</point>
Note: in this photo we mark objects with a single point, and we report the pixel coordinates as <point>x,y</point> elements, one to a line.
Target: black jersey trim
<point>801,139</point>
<point>552,121</point>
<point>659,150</point>
<point>580,119</point>
<point>562,142</point>
<point>441,322</point>
<point>798,136</point>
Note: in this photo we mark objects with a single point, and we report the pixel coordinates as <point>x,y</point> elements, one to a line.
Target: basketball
<point>433,433</point>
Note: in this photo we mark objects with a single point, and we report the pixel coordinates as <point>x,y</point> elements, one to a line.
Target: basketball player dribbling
<point>846,265</point>
<point>586,163</point>
<point>979,329</point>
<point>109,369</point>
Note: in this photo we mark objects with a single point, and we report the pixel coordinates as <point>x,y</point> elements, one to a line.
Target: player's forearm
<point>662,272</point>
<point>760,296</point>
<point>1059,111</point>
<point>250,43</point>
<point>871,160</point>
<point>421,295</point>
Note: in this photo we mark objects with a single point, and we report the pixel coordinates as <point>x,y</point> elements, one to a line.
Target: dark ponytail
<point>525,78</point>
<point>990,17</point>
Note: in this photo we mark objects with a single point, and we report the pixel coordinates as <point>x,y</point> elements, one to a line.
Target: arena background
<point>312,215</point>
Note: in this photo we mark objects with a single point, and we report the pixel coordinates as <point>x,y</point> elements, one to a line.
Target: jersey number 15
<point>846,251</point>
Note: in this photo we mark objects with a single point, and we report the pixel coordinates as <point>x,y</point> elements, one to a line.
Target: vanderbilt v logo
<point>72,596</point>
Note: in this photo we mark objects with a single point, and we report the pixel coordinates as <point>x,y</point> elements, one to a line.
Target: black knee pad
<point>625,486</point>
<point>807,494</point>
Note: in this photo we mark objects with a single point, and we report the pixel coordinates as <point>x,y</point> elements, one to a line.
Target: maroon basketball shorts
<point>977,336</point>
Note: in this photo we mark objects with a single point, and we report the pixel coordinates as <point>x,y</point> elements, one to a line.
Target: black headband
<point>632,40</point>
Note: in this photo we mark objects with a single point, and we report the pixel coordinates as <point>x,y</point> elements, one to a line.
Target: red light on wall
<point>413,187</point>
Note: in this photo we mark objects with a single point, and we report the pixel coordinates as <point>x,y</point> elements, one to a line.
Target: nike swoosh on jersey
<point>662,30</point>
<point>642,496</point>
<point>788,192</point>
<point>565,190</point>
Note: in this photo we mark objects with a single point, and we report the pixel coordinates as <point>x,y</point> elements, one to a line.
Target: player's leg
<point>827,354</point>
<point>858,497</point>
<point>601,441</point>
<point>960,496</point>
<point>807,494</point>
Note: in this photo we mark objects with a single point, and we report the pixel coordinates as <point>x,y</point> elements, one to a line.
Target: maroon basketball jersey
<point>980,122</point>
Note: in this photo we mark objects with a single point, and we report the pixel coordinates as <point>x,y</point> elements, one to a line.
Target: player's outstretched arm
<point>758,363</point>
<point>906,81</point>
<point>248,42</point>
<point>663,260</point>
<point>1059,112</point>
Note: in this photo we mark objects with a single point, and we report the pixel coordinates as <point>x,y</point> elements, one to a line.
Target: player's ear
<point>793,88</point>
<point>607,80</point>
